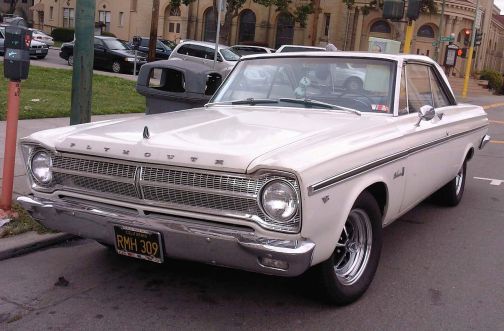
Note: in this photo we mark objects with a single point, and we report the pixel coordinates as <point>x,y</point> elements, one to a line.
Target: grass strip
<point>22,223</point>
<point>47,93</point>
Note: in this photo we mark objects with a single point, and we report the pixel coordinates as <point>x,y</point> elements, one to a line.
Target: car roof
<point>370,55</point>
<point>202,43</point>
<point>104,37</point>
<point>300,46</point>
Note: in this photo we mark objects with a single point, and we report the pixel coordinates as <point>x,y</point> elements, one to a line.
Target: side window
<point>98,43</point>
<point>419,90</point>
<point>439,96</point>
<point>184,49</point>
<point>209,53</point>
<point>403,100</point>
<point>196,51</point>
<point>144,43</point>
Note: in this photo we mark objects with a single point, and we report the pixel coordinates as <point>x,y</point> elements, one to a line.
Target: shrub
<point>63,34</point>
<point>494,79</point>
<point>108,34</point>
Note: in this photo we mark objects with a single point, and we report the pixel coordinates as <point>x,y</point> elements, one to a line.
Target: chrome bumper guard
<point>486,138</point>
<point>188,239</point>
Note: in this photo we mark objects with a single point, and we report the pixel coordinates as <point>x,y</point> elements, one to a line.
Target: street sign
<point>447,39</point>
<point>477,21</point>
<point>434,43</point>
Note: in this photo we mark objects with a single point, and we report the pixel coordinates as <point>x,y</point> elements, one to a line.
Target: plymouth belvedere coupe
<point>284,170</point>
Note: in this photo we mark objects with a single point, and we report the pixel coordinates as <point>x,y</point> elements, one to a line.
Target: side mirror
<point>426,113</point>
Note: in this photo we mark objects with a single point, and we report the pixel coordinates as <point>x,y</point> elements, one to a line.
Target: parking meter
<point>136,42</point>
<point>450,59</point>
<point>17,52</point>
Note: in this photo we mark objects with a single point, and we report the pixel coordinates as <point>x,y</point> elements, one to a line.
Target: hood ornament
<point>146,133</point>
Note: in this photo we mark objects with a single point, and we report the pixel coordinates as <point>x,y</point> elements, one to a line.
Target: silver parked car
<point>203,52</point>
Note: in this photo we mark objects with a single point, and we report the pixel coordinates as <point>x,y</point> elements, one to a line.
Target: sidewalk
<point>21,244</point>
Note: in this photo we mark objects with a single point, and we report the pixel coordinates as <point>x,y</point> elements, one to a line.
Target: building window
<point>174,27</point>
<point>247,26</point>
<point>68,17</point>
<point>171,27</point>
<point>121,18</point>
<point>284,30</point>
<point>426,31</point>
<point>175,11</point>
<point>51,13</point>
<point>104,17</point>
<point>327,22</point>
<point>210,31</point>
<point>380,27</point>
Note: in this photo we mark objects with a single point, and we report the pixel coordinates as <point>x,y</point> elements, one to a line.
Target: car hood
<point>126,52</point>
<point>218,138</point>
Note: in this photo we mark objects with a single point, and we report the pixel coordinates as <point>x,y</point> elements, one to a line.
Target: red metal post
<point>10,145</point>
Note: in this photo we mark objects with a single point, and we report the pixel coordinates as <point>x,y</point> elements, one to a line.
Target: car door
<point>430,156</point>
<point>100,54</point>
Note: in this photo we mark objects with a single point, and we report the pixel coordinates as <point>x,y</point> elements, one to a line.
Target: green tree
<point>233,7</point>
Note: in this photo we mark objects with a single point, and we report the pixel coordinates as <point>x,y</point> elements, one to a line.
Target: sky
<point>500,4</point>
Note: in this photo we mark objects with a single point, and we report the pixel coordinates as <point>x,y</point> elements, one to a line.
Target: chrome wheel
<point>353,248</point>
<point>459,180</point>
<point>116,67</point>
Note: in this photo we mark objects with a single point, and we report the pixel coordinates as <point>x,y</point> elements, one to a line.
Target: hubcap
<point>458,181</point>
<point>70,60</point>
<point>116,67</point>
<point>353,248</point>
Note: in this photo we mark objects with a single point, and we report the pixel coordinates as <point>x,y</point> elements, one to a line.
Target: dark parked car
<point>162,50</point>
<point>109,53</point>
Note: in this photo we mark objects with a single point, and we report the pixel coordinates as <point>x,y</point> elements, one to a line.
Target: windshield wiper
<point>310,102</point>
<point>252,101</point>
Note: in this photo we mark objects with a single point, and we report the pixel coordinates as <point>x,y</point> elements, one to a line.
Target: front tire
<point>451,194</point>
<point>116,67</point>
<point>347,274</point>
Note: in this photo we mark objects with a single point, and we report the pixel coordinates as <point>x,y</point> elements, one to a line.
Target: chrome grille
<point>94,166</point>
<point>172,187</point>
<point>97,185</point>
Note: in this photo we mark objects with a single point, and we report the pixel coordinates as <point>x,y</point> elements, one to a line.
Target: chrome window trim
<point>336,179</point>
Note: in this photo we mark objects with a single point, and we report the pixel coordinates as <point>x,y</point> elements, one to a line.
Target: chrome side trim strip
<point>484,141</point>
<point>383,161</point>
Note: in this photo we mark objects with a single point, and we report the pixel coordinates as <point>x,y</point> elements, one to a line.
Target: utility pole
<point>441,31</point>
<point>476,24</point>
<point>409,36</point>
<point>316,14</point>
<point>153,31</point>
<point>82,76</point>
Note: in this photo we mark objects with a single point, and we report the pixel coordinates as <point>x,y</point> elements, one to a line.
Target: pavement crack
<point>19,305</point>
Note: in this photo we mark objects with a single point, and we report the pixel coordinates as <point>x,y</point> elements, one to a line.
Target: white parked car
<point>299,48</point>
<point>283,171</point>
<point>251,49</point>
<point>42,37</point>
<point>204,52</point>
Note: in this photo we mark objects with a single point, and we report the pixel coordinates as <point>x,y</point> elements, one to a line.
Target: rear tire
<point>451,194</point>
<point>347,274</point>
<point>70,60</point>
<point>41,57</point>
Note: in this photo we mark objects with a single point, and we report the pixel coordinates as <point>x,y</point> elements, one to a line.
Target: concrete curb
<point>29,242</point>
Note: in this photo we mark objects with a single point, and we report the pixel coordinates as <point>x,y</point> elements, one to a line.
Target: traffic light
<point>393,9</point>
<point>467,37</point>
<point>462,52</point>
<point>477,38</point>
<point>413,11</point>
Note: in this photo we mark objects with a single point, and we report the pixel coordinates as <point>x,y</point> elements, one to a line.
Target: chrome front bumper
<point>486,138</point>
<point>189,239</point>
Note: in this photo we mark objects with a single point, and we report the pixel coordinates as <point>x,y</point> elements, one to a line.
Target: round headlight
<point>41,164</point>
<point>279,200</point>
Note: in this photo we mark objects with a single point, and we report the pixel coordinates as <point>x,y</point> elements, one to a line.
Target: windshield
<point>229,55</point>
<point>365,85</point>
<point>114,44</point>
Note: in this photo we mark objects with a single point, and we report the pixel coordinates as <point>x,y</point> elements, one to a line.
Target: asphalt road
<point>441,269</point>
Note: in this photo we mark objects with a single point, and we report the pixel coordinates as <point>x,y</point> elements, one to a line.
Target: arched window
<point>285,30</point>
<point>175,11</point>
<point>426,31</point>
<point>380,27</point>
<point>210,32</point>
<point>246,30</point>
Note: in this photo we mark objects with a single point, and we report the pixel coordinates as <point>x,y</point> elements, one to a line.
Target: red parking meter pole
<point>10,145</point>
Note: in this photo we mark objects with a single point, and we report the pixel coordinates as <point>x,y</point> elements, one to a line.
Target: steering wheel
<point>360,98</point>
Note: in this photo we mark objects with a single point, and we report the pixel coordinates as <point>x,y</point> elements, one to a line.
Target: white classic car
<point>283,171</point>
